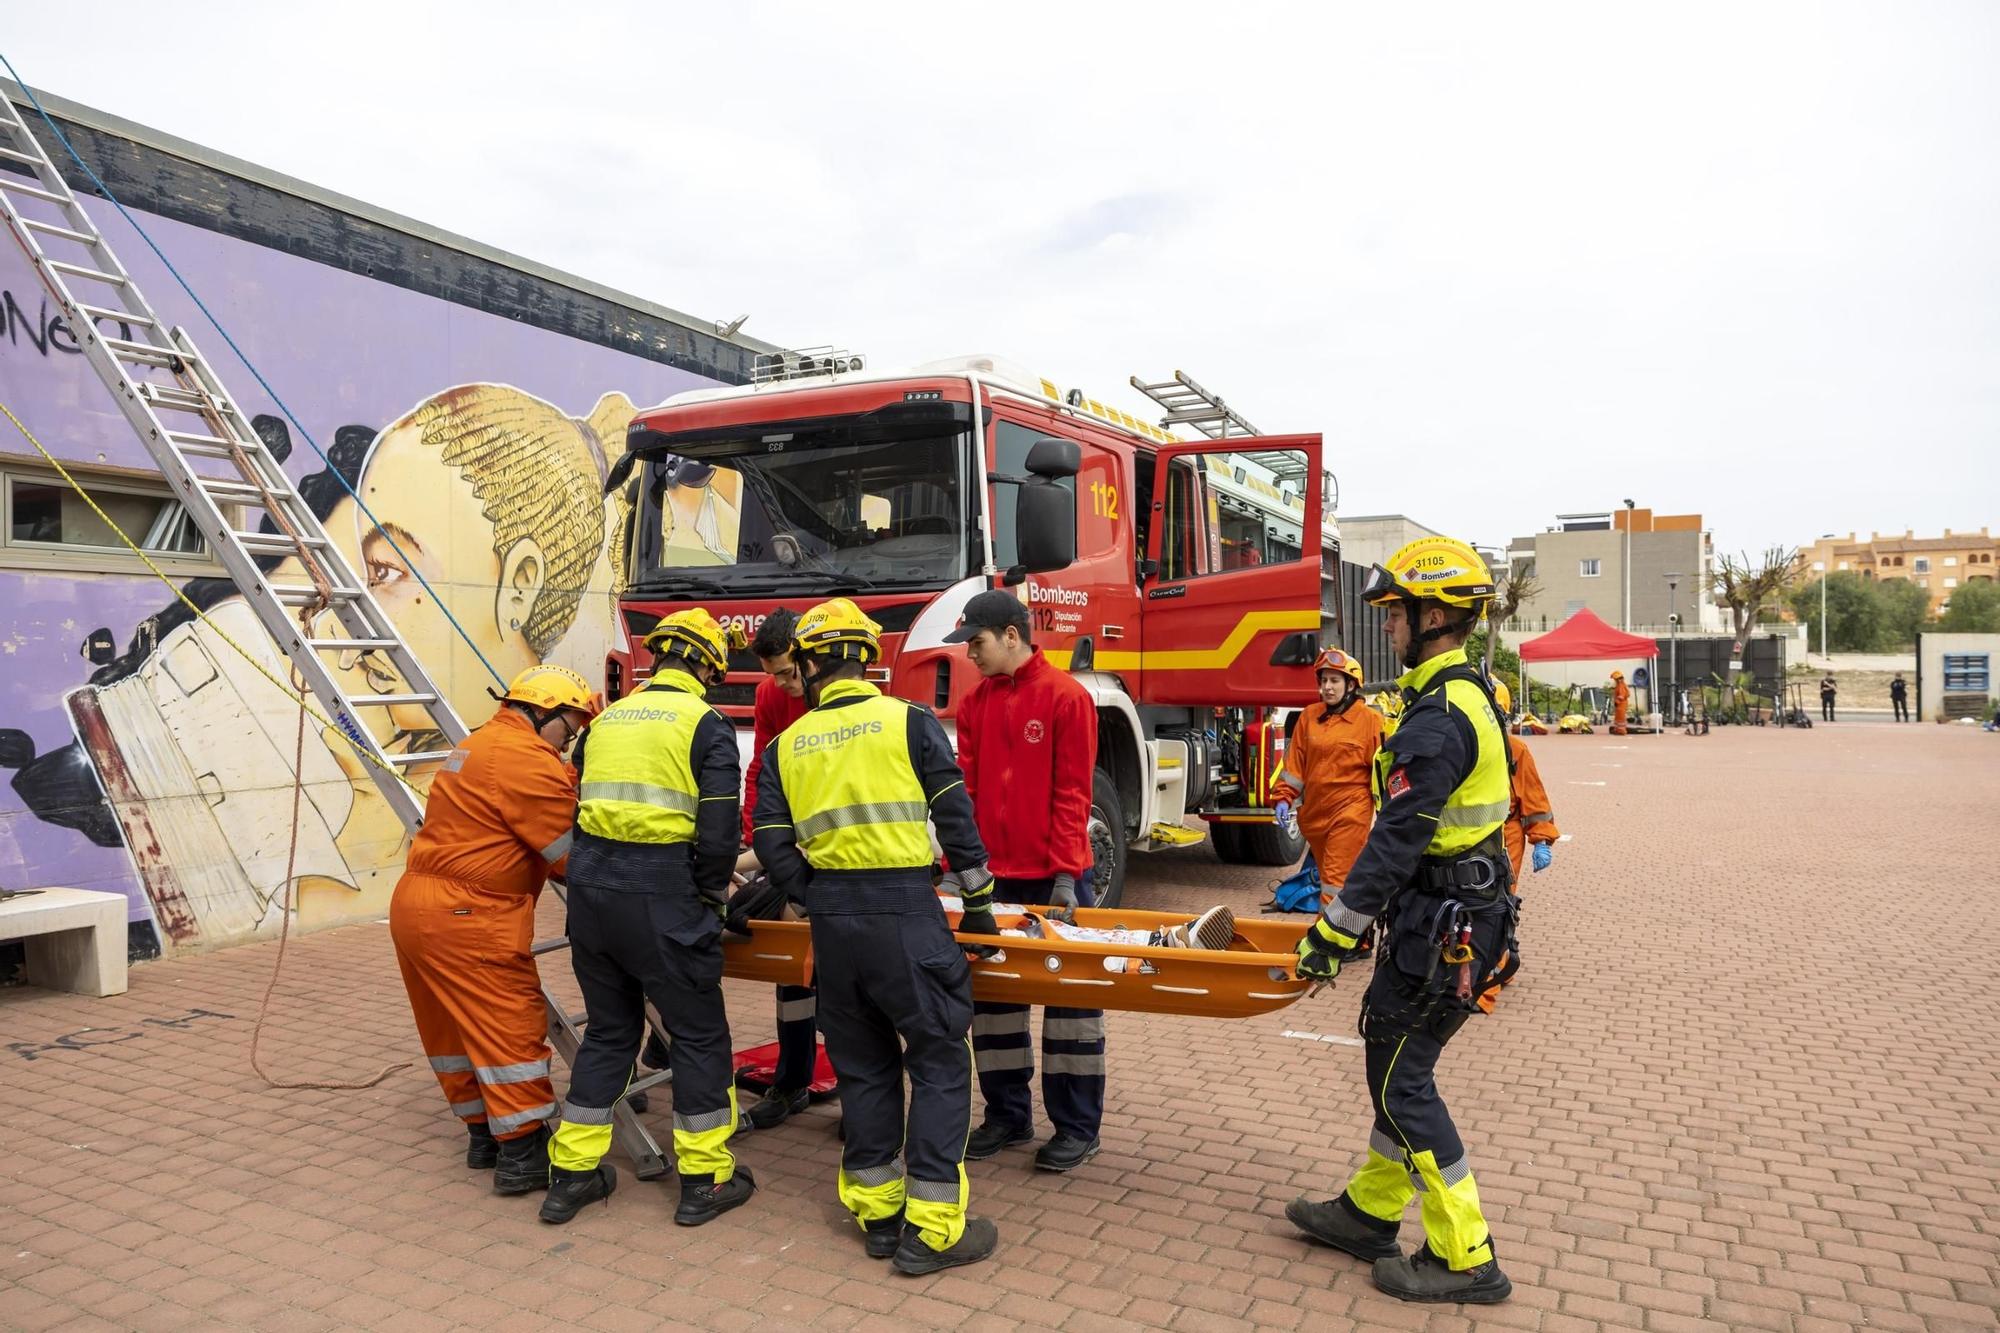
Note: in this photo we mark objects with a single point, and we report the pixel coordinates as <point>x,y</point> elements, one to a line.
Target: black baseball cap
<point>994,610</point>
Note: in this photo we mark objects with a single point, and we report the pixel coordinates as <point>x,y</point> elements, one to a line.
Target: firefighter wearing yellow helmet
<point>656,834</point>
<point>1435,869</point>
<point>843,799</point>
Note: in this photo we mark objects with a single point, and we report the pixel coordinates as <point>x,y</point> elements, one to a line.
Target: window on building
<point>1588,569</point>
<point>1950,560</point>
<point>1843,564</point>
<point>47,524</point>
<point>1923,565</point>
<point>1951,583</point>
<point>1967,671</point>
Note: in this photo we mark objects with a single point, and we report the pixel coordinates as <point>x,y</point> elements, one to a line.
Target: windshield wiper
<point>827,578</point>
<point>695,581</point>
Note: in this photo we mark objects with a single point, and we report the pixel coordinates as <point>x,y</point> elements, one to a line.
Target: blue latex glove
<point>1284,817</point>
<point>1542,853</point>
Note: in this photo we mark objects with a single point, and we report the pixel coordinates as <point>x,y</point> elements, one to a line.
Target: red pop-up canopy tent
<point>1585,638</point>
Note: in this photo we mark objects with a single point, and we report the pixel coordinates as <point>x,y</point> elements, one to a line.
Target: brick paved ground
<point>1747,1082</point>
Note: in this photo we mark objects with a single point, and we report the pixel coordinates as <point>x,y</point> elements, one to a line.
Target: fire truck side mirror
<point>1045,525</point>
<point>1054,458</point>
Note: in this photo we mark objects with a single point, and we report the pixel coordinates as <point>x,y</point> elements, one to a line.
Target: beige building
<point>1936,564</point>
<point>1371,539</point>
<point>1582,562</point>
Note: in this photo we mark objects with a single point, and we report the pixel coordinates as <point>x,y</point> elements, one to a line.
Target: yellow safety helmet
<point>1617,675</point>
<point>838,628</point>
<point>1439,569</point>
<point>552,688</point>
<point>698,636</point>
<point>1333,659</point>
<point>1504,697</point>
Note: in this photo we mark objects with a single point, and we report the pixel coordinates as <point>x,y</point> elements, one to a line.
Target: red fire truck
<point>1179,581</point>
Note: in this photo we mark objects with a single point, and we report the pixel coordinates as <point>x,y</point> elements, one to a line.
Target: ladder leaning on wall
<point>247,510</point>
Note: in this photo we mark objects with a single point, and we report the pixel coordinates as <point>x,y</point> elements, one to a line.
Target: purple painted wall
<point>351,357</point>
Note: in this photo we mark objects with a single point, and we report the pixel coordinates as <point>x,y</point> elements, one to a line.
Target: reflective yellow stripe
<point>637,793</point>
<point>852,816</point>
<point>701,1142</point>
<point>1480,816</point>
<point>1218,658</point>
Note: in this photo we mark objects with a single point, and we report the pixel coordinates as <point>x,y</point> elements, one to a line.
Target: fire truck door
<point>1233,584</point>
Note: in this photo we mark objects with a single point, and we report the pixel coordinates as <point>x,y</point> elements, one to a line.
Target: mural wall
<point>147,755</point>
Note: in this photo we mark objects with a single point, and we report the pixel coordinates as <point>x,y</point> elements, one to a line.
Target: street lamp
<point>1825,571</point>
<point>1673,648</point>
<point>1627,617</point>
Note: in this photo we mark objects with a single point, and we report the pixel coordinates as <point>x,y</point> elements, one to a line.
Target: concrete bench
<point>75,938</point>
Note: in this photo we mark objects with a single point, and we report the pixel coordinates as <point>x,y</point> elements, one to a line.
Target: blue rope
<point>242,356</point>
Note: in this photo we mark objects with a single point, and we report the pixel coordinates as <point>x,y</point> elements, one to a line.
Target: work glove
<point>1285,817</point>
<point>1542,854</point>
<point>1062,894</point>
<point>977,917</point>
<point>1322,950</point>
<point>758,900</point>
<point>716,900</point>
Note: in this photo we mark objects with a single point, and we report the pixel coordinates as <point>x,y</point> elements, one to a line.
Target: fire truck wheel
<point>1256,845</point>
<point>1107,840</point>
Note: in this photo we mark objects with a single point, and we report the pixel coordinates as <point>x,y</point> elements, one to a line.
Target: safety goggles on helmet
<point>1333,659</point>
<point>838,628</point>
<point>699,637</point>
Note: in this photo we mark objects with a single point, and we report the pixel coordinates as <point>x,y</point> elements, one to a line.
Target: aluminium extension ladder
<point>225,478</point>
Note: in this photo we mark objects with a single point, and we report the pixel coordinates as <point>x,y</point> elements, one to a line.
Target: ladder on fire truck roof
<point>184,416</point>
<point>1189,404</point>
<point>218,467</point>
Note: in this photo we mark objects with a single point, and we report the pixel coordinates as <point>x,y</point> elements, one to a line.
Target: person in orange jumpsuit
<point>496,825</point>
<point>1530,821</point>
<point>1323,787</point>
<point>1621,701</point>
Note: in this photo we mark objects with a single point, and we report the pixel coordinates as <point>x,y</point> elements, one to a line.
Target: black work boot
<point>991,1137</point>
<point>1424,1277</point>
<point>524,1164</point>
<point>775,1108</point>
<point>1337,1222</point>
<point>482,1150</point>
<point>1065,1152</point>
<point>915,1258</point>
<point>571,1190</point>
<point>882,1236</point>
<point>702,1200</point>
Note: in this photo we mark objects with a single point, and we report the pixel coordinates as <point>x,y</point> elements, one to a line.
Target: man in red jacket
<point>1027,742</point>
<point>781,701</point>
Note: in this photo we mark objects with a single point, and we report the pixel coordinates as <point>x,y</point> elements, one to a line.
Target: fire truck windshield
<point>822,506</point>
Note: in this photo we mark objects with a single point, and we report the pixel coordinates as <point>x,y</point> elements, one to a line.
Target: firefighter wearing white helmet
<point>657,827</point>
<point>843,800</point>
<point>1435,869</point>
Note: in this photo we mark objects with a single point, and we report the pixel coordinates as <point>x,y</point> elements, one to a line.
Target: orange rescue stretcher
<point>1254,975</point>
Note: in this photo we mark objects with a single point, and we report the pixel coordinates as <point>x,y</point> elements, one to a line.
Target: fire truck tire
<point>1256,845</point>
<point>1107,840</point>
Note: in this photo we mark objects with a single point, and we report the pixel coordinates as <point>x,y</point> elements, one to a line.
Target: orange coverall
<point>1621,701</point>
<point>496,825</point>
<point>1529,819</point>
<point>1327,767</point>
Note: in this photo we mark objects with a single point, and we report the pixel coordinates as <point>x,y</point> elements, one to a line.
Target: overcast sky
<point>1512,260</point>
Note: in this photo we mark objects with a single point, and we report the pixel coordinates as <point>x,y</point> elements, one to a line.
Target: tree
<point>1905,608</point>
<point>1515,591</point>
<point>1975,609</point>
<point>1856,619</point>
<point>1746,587</point>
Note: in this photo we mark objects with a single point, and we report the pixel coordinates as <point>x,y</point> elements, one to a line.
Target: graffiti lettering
<point>45,331</point>
<point>85,1038</point>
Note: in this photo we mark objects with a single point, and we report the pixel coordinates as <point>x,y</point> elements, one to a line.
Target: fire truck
<point>1181,582</point>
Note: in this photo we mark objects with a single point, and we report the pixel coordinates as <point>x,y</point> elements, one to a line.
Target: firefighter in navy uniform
<point>1435,869</point>
<point>840,824</point>
<point>656,836</point>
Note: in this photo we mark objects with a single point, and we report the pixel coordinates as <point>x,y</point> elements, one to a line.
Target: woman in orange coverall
<point>1529,818</point>
<point>1324,785</point>
<point>496,826</point>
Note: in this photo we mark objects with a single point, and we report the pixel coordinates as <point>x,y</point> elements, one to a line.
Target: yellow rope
<point>296,696</point>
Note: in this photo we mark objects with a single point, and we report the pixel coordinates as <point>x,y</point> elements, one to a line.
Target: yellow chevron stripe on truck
<point>1218,658</point>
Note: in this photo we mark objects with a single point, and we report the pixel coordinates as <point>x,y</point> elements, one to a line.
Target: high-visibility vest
<point>856,800</point>
<point>1479,804</point>
<point>638,782</point>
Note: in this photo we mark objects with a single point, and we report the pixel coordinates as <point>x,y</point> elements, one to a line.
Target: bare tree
<point>1514,592</point>
<point>1747,587</point>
